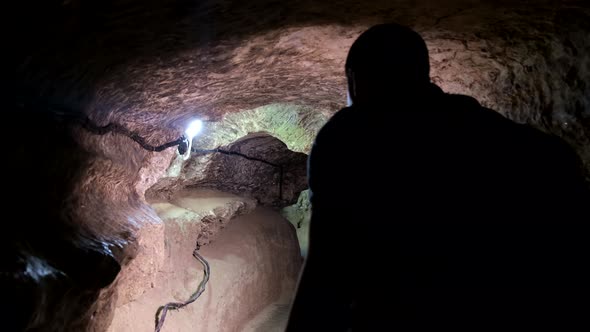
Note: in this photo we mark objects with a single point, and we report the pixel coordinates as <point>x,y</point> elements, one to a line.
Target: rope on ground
<point>161,313</point>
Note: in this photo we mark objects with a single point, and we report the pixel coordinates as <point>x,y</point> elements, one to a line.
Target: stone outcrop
<point>257,166</point>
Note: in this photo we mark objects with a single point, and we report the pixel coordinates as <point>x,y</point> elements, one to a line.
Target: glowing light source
<point>193,129</point>
<point>186,142</point>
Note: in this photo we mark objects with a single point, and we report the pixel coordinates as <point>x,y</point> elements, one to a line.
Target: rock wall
<point>257,166</point>
<point>176,59</point>
<point>279,134</point>
<point>254,262</point>
<point>150,66</point>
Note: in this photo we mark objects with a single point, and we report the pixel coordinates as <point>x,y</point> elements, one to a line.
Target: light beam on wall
<point>193,128</point>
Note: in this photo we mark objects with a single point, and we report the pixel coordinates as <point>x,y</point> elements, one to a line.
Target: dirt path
<point>273,318</point>
<point>254,266</point>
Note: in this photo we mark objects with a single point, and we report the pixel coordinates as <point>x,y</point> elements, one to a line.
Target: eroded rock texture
<point>527,59</point>
<point>257,147</point>
<point>258,166</point>
<point>254,262</point>
<point>151,65</point>
<point>264,169</point>
<point>75,205</point>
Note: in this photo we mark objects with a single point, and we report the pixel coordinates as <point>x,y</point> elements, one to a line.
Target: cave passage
<point>96,127</point>
<point>231,213</point>
<point>254,263</point>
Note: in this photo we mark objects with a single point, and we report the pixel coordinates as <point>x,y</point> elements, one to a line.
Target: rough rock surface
<point>254,262</point>
<point>299,214</point>
<point>527,59</point>
<point>142,269</point>
<point>266,133</point>
<point>152,65</point>
<point>275,178</point>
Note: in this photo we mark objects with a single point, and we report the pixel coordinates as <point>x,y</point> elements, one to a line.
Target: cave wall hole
<point>279,133</point>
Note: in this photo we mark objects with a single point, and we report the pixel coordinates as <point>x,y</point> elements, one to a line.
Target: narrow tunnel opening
<point>231,207</point>
<point>258,166</point>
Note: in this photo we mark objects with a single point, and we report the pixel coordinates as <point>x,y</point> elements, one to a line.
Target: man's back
<point>431,208</point>
<point>432,212</point>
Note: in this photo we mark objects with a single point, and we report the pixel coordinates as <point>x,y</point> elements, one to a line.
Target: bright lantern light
<point>193,129</point>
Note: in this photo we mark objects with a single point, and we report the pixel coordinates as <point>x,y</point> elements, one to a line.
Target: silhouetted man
<point>431,212</point>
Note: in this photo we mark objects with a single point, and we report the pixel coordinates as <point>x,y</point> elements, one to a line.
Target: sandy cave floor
<point>273,318</point>
<point>248,291</point>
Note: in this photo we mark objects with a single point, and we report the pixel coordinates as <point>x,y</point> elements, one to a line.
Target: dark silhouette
<point>433,213</point>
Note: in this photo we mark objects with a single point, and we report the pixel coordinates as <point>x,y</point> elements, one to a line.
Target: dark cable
<point>234,153</point>
<point>161,313</point>
<point>62,113</point>
<point>118,129</point>
<point>163,310</point>
<point>281,183</point>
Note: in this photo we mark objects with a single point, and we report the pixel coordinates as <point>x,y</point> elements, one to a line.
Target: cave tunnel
<point>103,228</point>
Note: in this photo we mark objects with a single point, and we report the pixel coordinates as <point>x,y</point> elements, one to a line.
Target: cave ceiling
<point>150,65</point>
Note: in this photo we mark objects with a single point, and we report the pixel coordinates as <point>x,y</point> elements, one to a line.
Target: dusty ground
<point>273,318</point>
<point>254,267</point>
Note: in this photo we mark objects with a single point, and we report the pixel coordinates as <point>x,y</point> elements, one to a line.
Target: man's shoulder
<point>471,107</point>
<point>340,120</point>
<point>349,113</point>
<point>462,100</point>
<point>499,125</point>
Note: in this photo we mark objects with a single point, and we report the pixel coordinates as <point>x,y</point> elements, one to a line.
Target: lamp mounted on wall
<point>62,114</point>
<point>186,141</point>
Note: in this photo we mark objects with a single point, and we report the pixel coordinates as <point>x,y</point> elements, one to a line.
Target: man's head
<point>386,60</point>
